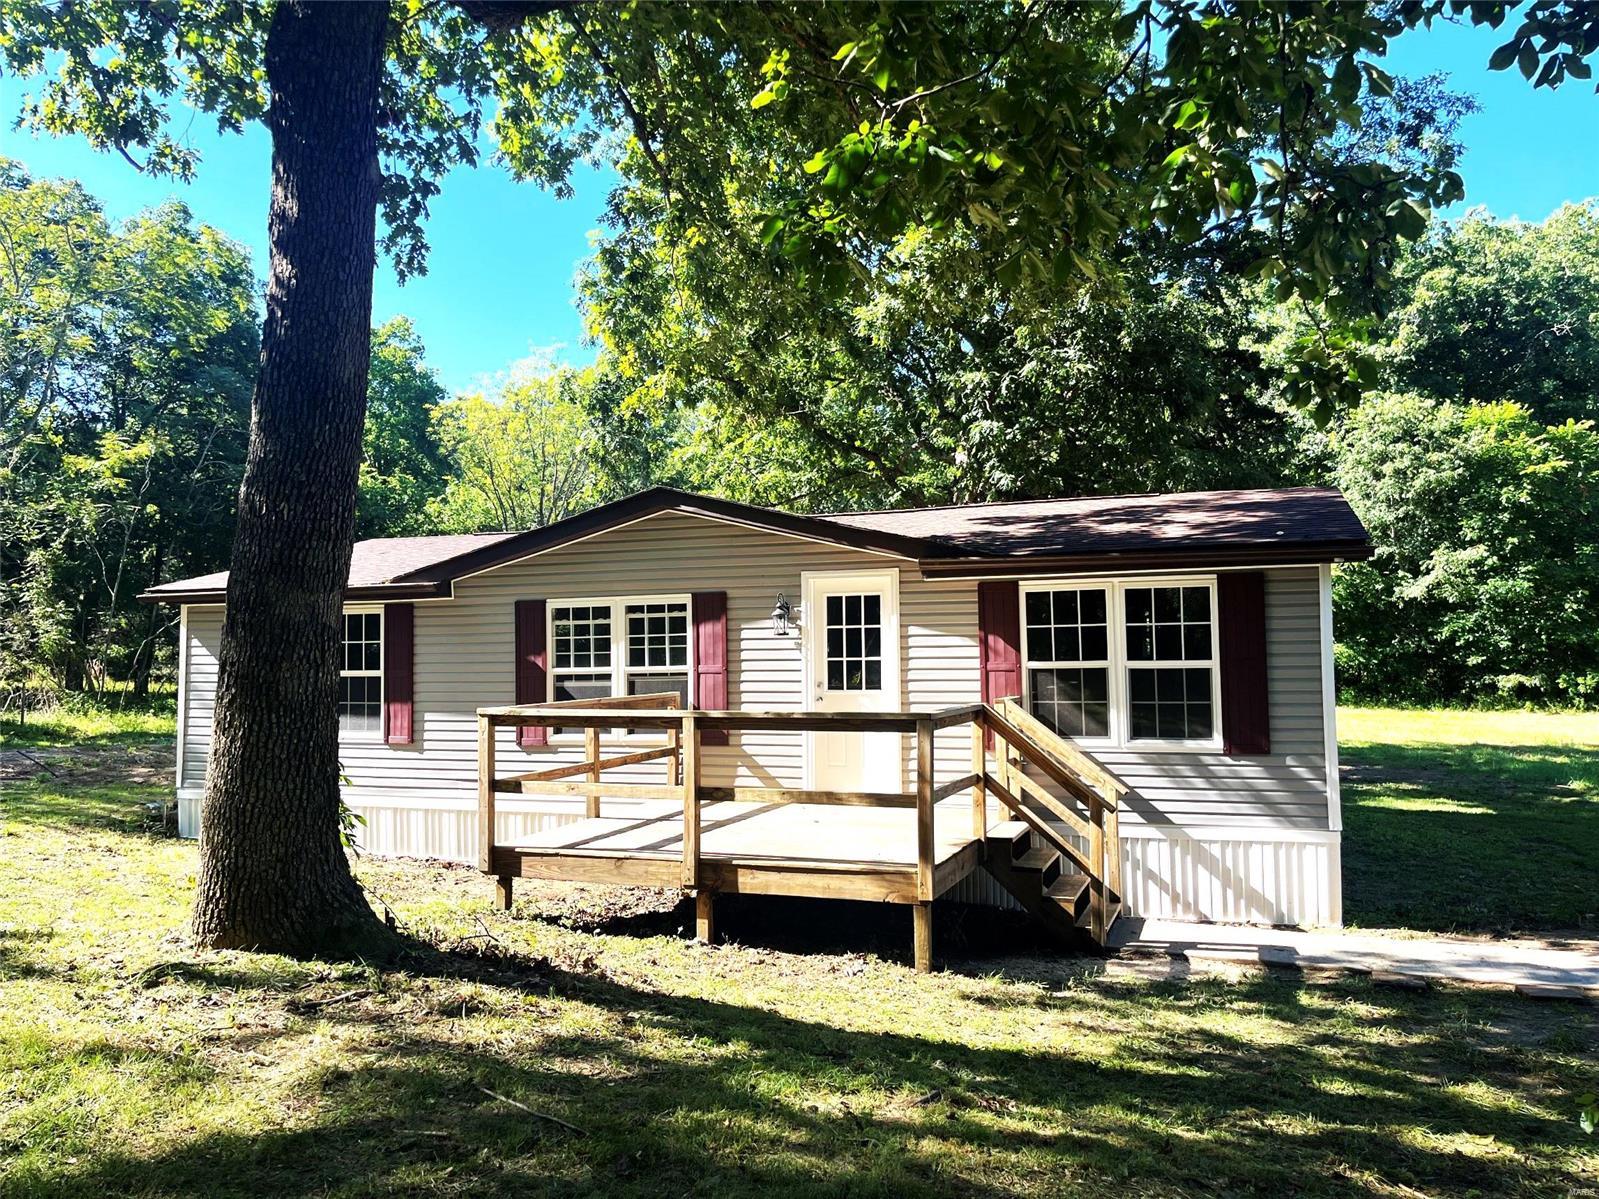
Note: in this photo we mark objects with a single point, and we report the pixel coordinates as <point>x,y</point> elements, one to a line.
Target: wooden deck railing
<point>1020,743</point>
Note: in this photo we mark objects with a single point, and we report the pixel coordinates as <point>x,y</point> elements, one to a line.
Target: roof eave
<point>1160,559</point>
<point>387,592</point>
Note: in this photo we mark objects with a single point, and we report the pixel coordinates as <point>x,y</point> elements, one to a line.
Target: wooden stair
<point>1034,875</point>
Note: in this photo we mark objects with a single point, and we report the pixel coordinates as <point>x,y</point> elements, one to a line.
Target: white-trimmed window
<point>656,648</point>
<point>1068,659</point>
<point>1123,662</point>
<point>581,664</point>
<point>361,674</point>
<point>1171,662</point>
<point>623,646</point>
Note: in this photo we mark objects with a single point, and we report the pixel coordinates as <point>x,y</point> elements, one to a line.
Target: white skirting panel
<point>189,811</point>
<point>408,830</point>
<point>1234,875</point>
<point>405,828</point>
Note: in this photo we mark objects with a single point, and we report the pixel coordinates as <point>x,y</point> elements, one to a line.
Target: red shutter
<point>999,640</point>
<point>1241,620</point>
<point>709,612</point>
<point>532,673</point>
<point>399,671</point>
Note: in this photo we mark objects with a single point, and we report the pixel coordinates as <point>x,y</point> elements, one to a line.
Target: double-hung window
<point>1068,660</point>
<point>1123,663</point>
<point>1171,664</point>
<point>361,674</point>
<point>582,667</point>
<point>657,649</point>
<point>609,647</point>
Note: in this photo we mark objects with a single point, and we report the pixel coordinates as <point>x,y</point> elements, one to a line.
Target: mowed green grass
<point>804,1058</point>
<point>1471,821</point>
<point>91,724</point>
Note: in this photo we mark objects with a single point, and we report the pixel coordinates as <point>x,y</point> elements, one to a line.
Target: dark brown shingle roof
<point>376,562</point>
<point>1194,523</point>
<point>1199,528</point>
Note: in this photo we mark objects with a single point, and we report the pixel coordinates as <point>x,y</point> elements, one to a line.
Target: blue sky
<point>499,286</point>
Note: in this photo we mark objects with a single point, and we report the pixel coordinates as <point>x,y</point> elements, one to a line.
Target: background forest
<point>1464,430</point>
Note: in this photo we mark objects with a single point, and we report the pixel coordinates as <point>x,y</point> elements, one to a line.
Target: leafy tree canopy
<point>1486,580</point>
<point>1491,311</point>
<point>126,359</point>
<point>1041,131</point>
<point>520,458</point>
<point>402,464</point>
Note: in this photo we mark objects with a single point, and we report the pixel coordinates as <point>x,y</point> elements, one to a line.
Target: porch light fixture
<point>783,615</point>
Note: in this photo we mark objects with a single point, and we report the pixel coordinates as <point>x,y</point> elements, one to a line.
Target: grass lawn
<point>1471,821</point>
<point>624,1060</point>
<point>91,725</point>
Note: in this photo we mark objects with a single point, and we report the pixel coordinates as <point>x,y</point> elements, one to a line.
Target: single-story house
<point>1183,640</point>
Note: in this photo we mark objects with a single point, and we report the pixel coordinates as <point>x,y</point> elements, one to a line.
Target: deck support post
<point>591,751</point>
<point>691,803</point>
<point>922,924</point>
<point>924,810</point>
<point>705,916</point>
<point>979,792</point>
<point>502,892</point>
<point>485,794</point>
<point>1098,925</point>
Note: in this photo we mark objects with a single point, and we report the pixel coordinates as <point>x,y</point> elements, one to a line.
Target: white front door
<point>851,629</point>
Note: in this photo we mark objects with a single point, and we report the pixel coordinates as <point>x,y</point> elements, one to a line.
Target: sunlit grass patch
<point>87,723</point>
<point>1472,821</point>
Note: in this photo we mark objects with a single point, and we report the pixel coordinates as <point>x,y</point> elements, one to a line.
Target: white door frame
<point>813,622</point>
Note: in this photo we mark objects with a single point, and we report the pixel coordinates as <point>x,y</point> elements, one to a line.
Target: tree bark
<point>273,874</point>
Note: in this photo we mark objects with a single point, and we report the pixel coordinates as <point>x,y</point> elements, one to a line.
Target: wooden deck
<point>756,849</point>
<point>896,847</point>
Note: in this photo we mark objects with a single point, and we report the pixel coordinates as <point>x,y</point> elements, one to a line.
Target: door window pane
<point>854,642</point>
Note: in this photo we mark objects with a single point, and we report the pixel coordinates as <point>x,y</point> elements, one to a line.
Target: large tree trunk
<point>273,875</point>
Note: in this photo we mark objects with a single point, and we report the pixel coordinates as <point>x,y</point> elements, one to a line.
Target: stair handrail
<point>1083,778</point>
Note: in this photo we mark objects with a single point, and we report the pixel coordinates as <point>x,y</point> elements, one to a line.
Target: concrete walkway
<point>1566,969</point>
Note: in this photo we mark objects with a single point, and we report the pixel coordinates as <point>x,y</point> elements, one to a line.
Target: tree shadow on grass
<point>1471,837</point>
<point>684,1095</point>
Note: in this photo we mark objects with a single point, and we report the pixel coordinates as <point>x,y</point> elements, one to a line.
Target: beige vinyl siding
<point>464,660</point>
<point>203,633</point>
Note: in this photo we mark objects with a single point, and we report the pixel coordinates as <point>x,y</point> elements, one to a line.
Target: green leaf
<point>1503,57</point>
<point>762,98</point>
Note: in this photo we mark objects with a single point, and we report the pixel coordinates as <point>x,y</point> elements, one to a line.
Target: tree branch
<point>640,129</point>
